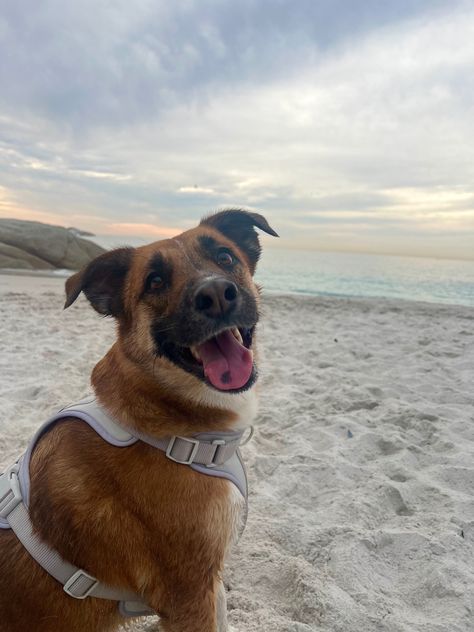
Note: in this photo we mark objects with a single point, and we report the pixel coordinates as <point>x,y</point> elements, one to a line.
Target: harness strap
<point>203,449</point>
<point>211,453</point>
<point>189,450</point>
<point>76,582</point>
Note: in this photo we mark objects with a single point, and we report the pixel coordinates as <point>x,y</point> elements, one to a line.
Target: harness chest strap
<point>214,454</point>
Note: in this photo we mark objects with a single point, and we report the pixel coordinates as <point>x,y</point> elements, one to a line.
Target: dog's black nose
<point>216,297</point>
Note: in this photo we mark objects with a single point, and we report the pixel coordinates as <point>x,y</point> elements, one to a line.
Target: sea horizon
<point>352,274</point>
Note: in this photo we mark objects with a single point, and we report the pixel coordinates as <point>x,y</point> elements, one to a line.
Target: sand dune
<point>362,466</point>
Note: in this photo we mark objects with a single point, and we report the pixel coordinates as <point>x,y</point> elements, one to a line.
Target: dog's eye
<point>224,258</point>
<point>155,282</point>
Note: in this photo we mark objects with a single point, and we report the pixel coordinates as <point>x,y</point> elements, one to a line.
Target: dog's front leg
<point>221,608</point>
<point>190,611</point>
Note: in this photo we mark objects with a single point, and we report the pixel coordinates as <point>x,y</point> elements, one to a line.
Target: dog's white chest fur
<point>237,514</point>
<point>244,405</point>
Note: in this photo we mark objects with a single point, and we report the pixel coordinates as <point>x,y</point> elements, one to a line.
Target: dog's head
<point>189,303</point>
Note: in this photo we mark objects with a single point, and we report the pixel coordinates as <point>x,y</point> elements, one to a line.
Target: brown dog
<point>184,362</point>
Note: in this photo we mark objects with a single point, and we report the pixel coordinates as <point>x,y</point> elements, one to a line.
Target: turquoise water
<point>345,274</point>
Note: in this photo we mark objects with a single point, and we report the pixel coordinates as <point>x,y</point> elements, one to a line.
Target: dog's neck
<point>160,406</point>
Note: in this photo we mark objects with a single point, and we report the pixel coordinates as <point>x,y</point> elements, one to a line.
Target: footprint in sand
<point>396,501</point>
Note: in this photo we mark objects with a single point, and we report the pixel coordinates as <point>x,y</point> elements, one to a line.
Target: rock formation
<point>36,246</point>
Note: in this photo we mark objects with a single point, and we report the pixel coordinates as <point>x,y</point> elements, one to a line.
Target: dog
<point>184,362</point>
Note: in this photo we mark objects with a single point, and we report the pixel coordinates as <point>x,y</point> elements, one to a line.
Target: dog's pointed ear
<point>239,226</point>
<point>102,282</point>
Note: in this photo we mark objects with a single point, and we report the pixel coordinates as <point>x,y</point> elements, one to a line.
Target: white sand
<point>361,470</point>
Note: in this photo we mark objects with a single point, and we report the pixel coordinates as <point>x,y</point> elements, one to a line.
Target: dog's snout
<point>216,297</point>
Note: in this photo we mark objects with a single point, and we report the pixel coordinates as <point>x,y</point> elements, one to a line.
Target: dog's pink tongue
<point>227,363</point>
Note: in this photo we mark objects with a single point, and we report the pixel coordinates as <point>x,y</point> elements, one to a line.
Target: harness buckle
<point>10,492</point>
<point>192,454</point>
<point>217,443</point>
<point>80,585</point>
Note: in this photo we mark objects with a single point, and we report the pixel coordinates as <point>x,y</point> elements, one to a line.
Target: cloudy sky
<point>348,123</point>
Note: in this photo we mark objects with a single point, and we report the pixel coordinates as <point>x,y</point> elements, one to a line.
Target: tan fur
<point>130,516</point>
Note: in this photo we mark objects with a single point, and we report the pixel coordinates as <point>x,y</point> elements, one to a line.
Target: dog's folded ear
<point>239,226</point>
<point>102,282</point>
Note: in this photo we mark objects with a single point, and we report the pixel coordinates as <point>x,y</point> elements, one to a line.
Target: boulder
<point>34,245</point>
<point>11,257</point>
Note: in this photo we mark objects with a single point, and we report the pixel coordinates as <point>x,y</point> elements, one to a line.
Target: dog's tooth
<point>237,334</point>
<point>195,353</point>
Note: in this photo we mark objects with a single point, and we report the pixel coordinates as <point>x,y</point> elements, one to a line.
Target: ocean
<point>346,274</point>
<point>315,273</point>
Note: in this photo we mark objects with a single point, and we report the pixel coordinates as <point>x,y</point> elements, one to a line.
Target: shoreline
<point>62,275</point>
<point>52,274</point>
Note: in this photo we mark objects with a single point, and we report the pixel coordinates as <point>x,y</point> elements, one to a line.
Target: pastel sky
<point>348,123</point>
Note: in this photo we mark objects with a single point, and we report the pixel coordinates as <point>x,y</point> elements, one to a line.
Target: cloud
<point>195,190</point>
<point>337,119</point>
<point>90,63</point>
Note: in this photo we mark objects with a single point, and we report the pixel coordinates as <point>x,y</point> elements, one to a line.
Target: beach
<point>361,469</point>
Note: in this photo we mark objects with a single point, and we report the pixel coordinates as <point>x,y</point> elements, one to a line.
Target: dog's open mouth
<point>226,358</point>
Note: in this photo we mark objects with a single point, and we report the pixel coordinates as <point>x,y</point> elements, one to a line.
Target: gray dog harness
<point>214,454</point>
